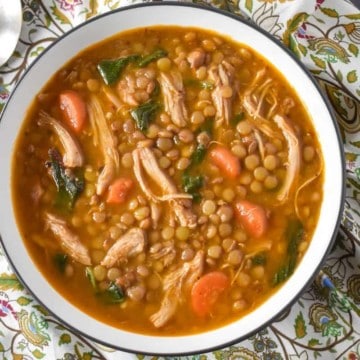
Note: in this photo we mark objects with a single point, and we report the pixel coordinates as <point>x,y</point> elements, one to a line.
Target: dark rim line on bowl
<point>325,100</point>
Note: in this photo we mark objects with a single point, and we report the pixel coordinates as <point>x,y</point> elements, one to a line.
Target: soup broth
<point>167,180</point>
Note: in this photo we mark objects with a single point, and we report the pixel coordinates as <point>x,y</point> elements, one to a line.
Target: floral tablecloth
<point>325,321</point>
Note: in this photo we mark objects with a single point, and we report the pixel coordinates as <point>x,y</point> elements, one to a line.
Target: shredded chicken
<point>254,100</point>
<point>165,251</point>
<point>175,282</point>
<point>69,241</point>
<point>155,214</point>
<point>130,244</point>
<point>174,97</point>
<point>103,137</point>
<point>293,162</point>
<point>180,202</point>
<point>127,90</point>
<point>73,156</point>
<point>196,58</point>
<point>223,76</point>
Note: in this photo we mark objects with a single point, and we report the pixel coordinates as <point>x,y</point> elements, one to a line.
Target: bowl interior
<point>184,15</point>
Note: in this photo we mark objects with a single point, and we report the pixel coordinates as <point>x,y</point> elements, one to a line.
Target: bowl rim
<point>326,102</point>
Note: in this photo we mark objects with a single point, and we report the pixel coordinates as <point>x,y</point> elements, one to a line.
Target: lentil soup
<point>174,180</point>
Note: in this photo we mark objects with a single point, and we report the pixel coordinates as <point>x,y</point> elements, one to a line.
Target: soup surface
<point>167,180</point>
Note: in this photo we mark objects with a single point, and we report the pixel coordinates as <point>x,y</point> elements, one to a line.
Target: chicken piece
<point>293,162</point>
<point>69,241</point>
<point>155,214</point>
<point>174,97</point>
<point>130,244</point>
<point>73,155</point>
<point>176,285</point>
<point>164,251</point>
<point>127,89</point>
<point>196,58</point>
<point>223,76</point>
<point>254,100</point>
<point>181,207</point>
<point>104,138</point>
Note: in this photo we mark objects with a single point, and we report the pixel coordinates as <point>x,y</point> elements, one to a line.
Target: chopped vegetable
<point>144,114</point>
<point>192,184</point>
<point>90,275</point>
<point>114,294</point>
<point>110,70</point>
<point>157,54</point>
<point>252,217</point>
<point>206,291</point>
<point>73,109</point>
<point>207,126</point>
<point>119,190</point>
<point>226,161</point>
<point>294,234</point>
<point>68,185</point>
<point>60,261</point>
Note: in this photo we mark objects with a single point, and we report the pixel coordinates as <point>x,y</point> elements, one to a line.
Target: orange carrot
<point>119,190</point>
<point>206,291</point>
<point>252,217</point>
<point>73,108</point>
<point>223,158</point>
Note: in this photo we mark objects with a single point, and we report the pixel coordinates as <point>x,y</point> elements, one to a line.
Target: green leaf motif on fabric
<point>249,5</point>
<point>2,347</point>
<point>59,15</point>
<point>318,62</point>
<point>353,49</point>
<point>300,327</point>
<point>23,301</point>
<point>65,339</point>
<point>9,282</point>
<point>330,12</point>
<point>292,25</point>
<point>41,310</point>
<point>352,76</point>
<point>38,354</point>
<point>353,16</point>
<point>302,49</point>
<point>313,342</point>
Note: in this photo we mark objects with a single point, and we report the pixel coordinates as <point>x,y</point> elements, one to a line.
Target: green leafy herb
<point>110,70</point>
<point>294,234</point>
<point>145,113</point>
<point>236,119</point>
<point>192,184</point>
<point>198,155</point>
<point>207,126</point>
<point>91,277</point>
<point>60,261</point>
<point>68,184</point>
<point>259,259</point>
<point>157,54</point>
<point>200,84</point>
<point>113,294</point>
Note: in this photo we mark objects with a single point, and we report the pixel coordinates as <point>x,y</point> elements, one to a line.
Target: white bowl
<point>184,15</point>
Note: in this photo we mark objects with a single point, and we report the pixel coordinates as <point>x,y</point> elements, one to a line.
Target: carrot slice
<point>73,109</point>
<point>226,161</point>
<point>119,190</point>
<point>252,217</point>
<point>206,291</point>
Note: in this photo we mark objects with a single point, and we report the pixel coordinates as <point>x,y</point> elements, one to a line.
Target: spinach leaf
<point>91,277</point>
<point>69,185</point>
<point>237,118</point>
<point>294,234</point>
<point>157,54</point>
<point>145,113</point>
<point>113,294</point>
<point>206,126</point>
<point>60,261</point>
<point>198,155</point>
<point>259,259</point>
<point>199,84</point>
<point>192,184</point>
<point>110,70</point>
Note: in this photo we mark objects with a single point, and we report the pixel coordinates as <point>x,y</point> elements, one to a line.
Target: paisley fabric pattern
<point>325,321</point>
